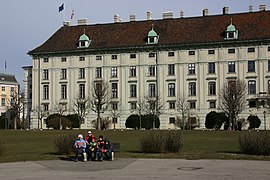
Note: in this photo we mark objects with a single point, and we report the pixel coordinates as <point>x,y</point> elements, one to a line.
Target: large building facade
<point>170,58</point>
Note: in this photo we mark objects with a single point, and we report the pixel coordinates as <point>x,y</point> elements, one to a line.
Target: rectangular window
<point>133,105</point>
<point>63,59</point>
<point>152,70</point>
<point>171,89</point>
<point>268,48</point>
<point>63,74</point>
<point>251,50</point>
<point>82,58</point>
<point>231,51</point>
<point>251,66</point>
<point>152,90</point>
<point>191,68</point>
<point>3,88</point>
<point>170,53</point>
<point>172,120</point>
<point>211,51</point>
<point>252,87</point>
<point>192,104</point>
<point>132,56</point>
<point>98,72</point>
<point>252,104</point>
<point>98,58</point>
<point>231,67</point>
<point>46,107</point>
<point>191,53</point>
<point>132,71</point>
<point>3,101</point>
<point>45,60</point>
<point>45,74</point>
<point>113,71</point>
<point>81,91</point>
<point>46,92</point>
<point>172,105</point>
<point>12,89</point>
<point>63,91</point>
<point>192,89</point>
<point>268,86</point>
<point>114,90</point>
<point>212,104</point>
<point>211,68</point>
<point>114,120</point>
<point>151,55</point>
<point>114,105</point>
<point>268,65</point>
<point>114,56</point>
<point>81,73</point>
<point>133,90</point>
<point>212,88</point>
<point>170,69</point>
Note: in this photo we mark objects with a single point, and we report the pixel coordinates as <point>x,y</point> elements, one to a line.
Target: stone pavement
<point>122,169</point>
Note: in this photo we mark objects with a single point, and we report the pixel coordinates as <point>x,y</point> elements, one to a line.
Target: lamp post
<point>264,114</point>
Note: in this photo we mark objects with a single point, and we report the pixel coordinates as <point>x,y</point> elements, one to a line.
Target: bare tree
<point>182,106</point>
<point>60,108</point>
<point>232,100</point>
<point>114,111</point>
<point>140,109</point>
<point>100,99</point>
<point>15,107</point>
<point>81,107</point>
<point>153,106</point>
<point>40,112</point>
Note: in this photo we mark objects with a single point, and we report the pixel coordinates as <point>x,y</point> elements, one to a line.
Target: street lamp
<point>264,114</point>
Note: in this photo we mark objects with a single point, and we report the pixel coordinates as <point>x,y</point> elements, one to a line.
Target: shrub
<point>161,141</point>
<point>64,144</point>
<point>75,120</point>
<point>254,122</point>
<point>255,143</point>
<point>148,119</point>
<point>104,123</point>
<point>133,121</point>
<point>2,146</point>
<point>214,120</point>
<point>53,121</point>
<point>173,141</point>
<point>2,122</point>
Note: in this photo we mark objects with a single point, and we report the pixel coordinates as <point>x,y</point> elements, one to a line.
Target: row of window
<point>151,54</point>
<point>3,88</point>
<point>152,69</point>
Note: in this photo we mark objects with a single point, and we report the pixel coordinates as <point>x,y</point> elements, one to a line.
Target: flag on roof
<point>72,14</point>
<point>61,8</point>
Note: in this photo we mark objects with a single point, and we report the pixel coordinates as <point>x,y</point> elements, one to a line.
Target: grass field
<point>38,145</point>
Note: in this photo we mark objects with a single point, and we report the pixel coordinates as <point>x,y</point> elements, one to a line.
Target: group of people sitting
<point>92,149</point>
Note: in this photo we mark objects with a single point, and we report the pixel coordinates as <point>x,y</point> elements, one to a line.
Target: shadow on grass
<point>231,152</point>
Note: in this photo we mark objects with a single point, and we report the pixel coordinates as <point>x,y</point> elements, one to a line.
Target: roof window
<point>152,37</point>
<point>84,41</point>
<point>231,32</point>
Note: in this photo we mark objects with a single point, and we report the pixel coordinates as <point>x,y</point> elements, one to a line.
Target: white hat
<point>80,136</point>
<point>89,132</point>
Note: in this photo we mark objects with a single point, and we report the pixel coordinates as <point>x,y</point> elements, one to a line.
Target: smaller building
<point>8,88</point>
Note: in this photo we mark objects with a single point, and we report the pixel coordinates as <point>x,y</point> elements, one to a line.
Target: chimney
<point>149,15</point>
<point>225,10</point>
<point>132,17</point>
<point>66,23</point>
<point>167,15</point>
<point>117,18</point>
<point>205,12</point>
<point>82,21</point>
<point>250,8</point>
<point>181,14</point>
<point>262,7</point>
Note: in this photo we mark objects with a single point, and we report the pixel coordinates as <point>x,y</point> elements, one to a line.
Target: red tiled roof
<point>180,31</point>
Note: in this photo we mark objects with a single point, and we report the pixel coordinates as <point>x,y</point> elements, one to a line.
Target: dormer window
<point>84,41</point>
<point>231,32</point>
<point>152,37</point>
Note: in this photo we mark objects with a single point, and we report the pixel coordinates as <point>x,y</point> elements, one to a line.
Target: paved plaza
<point>123,169</point>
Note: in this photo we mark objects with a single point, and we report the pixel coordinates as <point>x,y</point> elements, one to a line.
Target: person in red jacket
<point>88,139</point>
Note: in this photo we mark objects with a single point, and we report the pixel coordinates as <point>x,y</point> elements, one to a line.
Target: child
<point>91,149</point>
<point>107,149</point>
<point>99,147</point>
<point>80,146</point>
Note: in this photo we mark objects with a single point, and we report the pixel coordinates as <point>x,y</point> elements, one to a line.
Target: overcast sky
<point>26,24</point>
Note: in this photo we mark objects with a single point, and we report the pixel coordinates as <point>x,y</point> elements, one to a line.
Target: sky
<point>27,24</point>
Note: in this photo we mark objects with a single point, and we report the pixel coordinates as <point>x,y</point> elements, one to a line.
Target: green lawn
<point>38,145</point>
